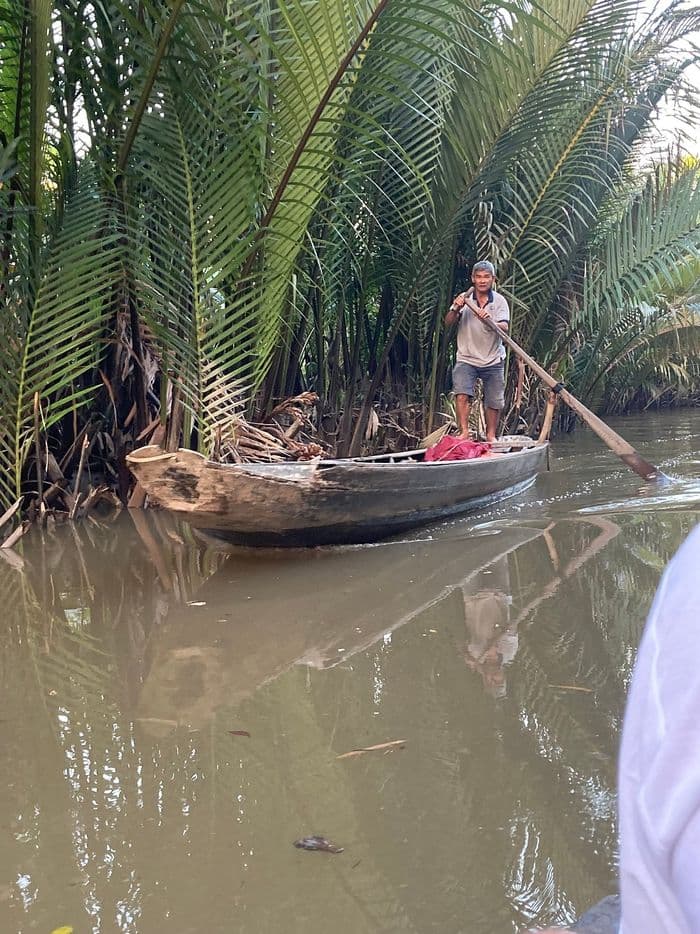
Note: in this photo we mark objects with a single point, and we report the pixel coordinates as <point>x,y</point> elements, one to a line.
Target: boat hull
<point>326,502</point>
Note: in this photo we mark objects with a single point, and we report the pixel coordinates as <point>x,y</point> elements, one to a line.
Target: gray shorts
<point>464,377</point>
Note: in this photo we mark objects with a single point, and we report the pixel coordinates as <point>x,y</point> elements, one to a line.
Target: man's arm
<point>503,315</point>
<point>454,312</point>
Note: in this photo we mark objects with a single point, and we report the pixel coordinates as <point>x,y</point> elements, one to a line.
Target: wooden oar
<point>615,442</point>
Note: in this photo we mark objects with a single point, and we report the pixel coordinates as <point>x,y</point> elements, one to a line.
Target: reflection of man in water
<point>492,642</point>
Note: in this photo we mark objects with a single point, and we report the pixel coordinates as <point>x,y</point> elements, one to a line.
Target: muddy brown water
<point>172,715</point>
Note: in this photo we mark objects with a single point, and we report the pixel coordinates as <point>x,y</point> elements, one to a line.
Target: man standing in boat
<point>480,352</point>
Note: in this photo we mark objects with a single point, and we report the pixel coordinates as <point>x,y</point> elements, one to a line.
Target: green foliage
<point>205,207</point>
<point>632,333</point>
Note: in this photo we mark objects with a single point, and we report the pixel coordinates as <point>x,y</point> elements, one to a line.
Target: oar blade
<point>642,467</point>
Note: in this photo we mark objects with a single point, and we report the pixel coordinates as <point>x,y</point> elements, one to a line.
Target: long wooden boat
<point>324,502</point>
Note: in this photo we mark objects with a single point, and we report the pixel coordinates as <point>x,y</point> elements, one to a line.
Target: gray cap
<point>484,265</point>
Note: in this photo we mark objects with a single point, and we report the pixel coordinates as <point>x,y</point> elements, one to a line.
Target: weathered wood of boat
<point>328,501</point>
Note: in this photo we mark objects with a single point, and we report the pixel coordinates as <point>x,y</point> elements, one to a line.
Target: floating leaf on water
<point>392,744</point>
<point>317,843</point>
<point>66,929</point>
<point>238,732</point>
<point>572,687</point>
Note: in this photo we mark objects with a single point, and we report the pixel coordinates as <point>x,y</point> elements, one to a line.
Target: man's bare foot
<point>465,435</point>
<point>490,440</point>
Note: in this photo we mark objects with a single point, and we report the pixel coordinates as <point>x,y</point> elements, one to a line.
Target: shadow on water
<point>172,716</point>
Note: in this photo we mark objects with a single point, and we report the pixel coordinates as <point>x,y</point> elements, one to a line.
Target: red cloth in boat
<point>456,449</point>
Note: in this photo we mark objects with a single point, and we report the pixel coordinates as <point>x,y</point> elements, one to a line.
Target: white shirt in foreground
<point>659,777</point>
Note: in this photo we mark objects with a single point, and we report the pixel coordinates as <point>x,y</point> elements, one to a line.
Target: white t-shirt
<point>659,776</point>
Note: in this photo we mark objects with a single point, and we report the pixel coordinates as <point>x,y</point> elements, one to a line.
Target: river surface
<point>174,717</point>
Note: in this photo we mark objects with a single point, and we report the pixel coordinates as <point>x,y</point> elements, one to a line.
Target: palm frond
<point>55,339</point>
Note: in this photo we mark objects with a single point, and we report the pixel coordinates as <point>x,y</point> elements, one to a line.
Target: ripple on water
<point>675,494</point>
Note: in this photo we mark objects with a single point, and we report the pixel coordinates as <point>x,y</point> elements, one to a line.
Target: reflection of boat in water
<point>257,617</point>
<point>328,501</point>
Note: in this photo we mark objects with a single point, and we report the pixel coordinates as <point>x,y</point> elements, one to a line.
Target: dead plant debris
<point>317,843</point>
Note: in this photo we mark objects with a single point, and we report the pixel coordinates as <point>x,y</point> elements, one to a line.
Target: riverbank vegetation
<point>209,208</point>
